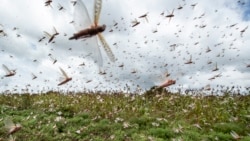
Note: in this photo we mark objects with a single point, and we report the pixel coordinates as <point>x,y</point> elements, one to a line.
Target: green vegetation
<point>153,116</point>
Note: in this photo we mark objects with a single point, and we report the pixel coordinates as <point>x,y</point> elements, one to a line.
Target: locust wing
<point>106,48</point>
<point>8,123</point>
<point>64,73</point>
<point>55,31</point>
<point>81,16</point>
<point>7,70</point>
<point>97,8</point>
<point>47,34</point>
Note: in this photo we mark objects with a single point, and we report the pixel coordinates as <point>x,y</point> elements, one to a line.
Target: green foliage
<point>156,115</point>
<point>161,133</point>
<point>192,136</point>
<point>220,136</point>
<point>26,101</point>
<point>228,127</point>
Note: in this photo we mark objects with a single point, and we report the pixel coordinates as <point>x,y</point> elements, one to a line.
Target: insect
<point>60,7</point>
<point>11,127</point>
<point>82,24</point>
<point>54,60</point>
<point>33,76</point>
<point>216,67</point>
<point>144,16</point>
<point>66,77</point>
<point>207,87</point>
<point>8,71</point>
<point>48,2</point>
<point>193,5</point>
<point>243,30</point>
<point>189,61</point>
<point>208,49</point>
<point>2,33</point>
<point>170,16</point>
<point>167,83</point>
<point>135,23</point>
<point>167,74</point>
<point>51,36</point>
<point>180,7</point>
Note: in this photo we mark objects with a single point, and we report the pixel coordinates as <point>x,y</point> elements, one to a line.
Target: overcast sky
<point>147,51</point>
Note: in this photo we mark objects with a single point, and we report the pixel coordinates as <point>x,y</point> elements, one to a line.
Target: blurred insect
<point>88,81</point>
<point>54,60</point>
<point>216,67</point>
<point>135,23</point>
<point>10,126</point>
<point>51,36</point>
<point>170,16</point>
<point>66,78</point>
<point>232,25</point>
<point>167,74</point>
<point>2,33</point>
<point>248,65</point>
<point>48,2</point>
<point>207,87</point>
<point>73,2</point>
<point>82,24</point>
<point>193,5</point>
<point>215,76</point>
<point>154,30</point>
<point>180,7</point>
<point>33,76</point>
<point>208,50</point>
<point>144,16</point>
<point>115,23</point>
<point>121,66</point>
<point>102,73</point>
<point>134,71</point>
<point>15,28</point>
<point>8,71</point>
<point>60,7</point>
<point>82,64</point>
<point>41,39</point>
<point>167,83</point>
<point>243,30</point>
<point>189,61</point>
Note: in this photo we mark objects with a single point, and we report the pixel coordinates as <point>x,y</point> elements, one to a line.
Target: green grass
<point>157,116</point>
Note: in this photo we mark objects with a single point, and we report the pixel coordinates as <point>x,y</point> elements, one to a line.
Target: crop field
<point>152,116</point>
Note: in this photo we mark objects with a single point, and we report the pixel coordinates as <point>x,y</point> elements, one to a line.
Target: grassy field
<point>153,116</point>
